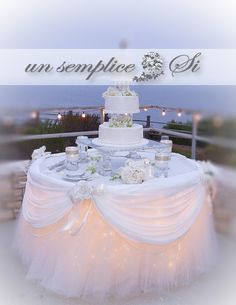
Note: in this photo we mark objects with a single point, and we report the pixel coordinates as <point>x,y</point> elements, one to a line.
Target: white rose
<point>111,91</point>
<point>114,93</point>
<point>131,175</point>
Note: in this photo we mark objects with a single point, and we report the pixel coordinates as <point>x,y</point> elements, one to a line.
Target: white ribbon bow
<point>78,193</point>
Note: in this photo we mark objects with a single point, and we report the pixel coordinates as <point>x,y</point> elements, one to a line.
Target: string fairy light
<point>217,121</point>
<point>197,117</point>
<point>59,116</point>
<point>34,115</point>
<point>83,112</point>
<point>179,113</point>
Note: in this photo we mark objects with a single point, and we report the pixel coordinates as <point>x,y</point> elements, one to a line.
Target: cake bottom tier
<point>120,136</point>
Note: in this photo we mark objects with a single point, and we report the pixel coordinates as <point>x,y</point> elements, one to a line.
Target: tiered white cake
<point>120,103</point>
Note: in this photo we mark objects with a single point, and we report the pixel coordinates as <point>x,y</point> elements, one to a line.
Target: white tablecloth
<point>107,238</point>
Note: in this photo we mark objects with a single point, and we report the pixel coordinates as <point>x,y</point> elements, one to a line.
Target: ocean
<point>18,102</point>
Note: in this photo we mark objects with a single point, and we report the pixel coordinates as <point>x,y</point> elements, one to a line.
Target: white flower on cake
<point>120,120</point>
<point>119,91</point>
<point>112,91</point>
<point>133,175</point>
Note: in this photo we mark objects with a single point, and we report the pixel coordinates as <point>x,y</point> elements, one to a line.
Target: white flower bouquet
<point>132,175</point>
<point>136,171</point>
<point>119,91</point>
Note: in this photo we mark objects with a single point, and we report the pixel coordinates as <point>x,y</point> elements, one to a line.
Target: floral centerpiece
<point>135,172</point>
<point>132,175</point>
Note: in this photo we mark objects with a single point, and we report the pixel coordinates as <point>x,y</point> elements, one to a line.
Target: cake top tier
<point>120,100</point>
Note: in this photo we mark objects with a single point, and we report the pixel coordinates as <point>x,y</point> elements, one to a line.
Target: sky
<point>107,23</point>
<point>104,23</point>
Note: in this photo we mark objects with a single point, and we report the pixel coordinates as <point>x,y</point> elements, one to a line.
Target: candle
<point>162,158</point>
<point>168,145</point>
<point>82,142</point>
<point>72,157</point>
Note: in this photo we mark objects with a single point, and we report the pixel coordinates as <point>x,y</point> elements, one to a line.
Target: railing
<point>22,138</point>
<point>193,136</point>
<point>15,139</point>
<point>226,143</point>
<point>221,142</point>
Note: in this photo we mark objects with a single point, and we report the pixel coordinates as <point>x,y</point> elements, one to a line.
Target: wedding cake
<point>120,103</point>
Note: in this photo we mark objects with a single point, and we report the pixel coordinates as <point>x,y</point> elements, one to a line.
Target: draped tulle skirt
<point>97,261</point>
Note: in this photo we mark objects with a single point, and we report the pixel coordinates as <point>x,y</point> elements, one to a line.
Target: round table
<point>101,238</point>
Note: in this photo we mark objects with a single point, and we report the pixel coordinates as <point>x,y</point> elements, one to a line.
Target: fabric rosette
<point>83,190</point>
<point>208,177</point>
<point>80,191</point>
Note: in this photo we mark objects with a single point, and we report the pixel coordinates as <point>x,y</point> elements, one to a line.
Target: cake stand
<point>132,150</point>
<point>121,151</point>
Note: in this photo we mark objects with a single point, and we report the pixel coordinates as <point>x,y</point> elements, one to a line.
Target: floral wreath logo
<point>152,64</point>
